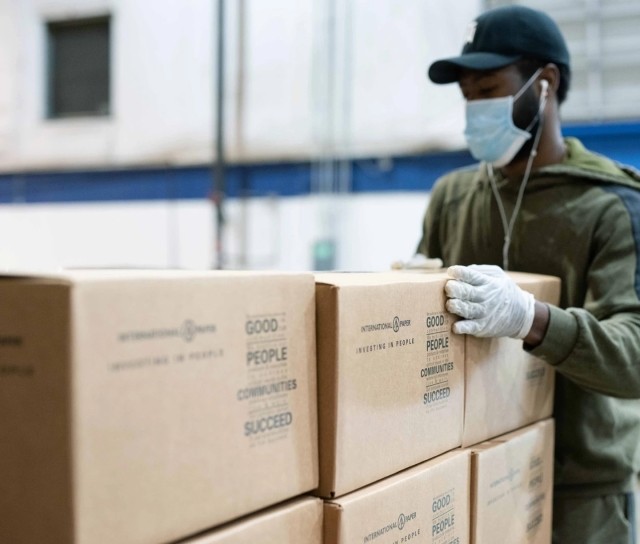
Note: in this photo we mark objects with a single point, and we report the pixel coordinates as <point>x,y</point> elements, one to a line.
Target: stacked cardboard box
<point>512,486</point>
<point>507,391</point>
<point>390,376</point>
<point>296,522</point>
<point>141,407</point>
<point>426,503</point>
<point>505,387</point>
<point>371,425</point>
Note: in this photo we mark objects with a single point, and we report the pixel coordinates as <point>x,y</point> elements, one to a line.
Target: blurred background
<point>257,134</point>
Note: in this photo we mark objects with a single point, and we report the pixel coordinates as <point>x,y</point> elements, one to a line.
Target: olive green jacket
<point>580,221</point>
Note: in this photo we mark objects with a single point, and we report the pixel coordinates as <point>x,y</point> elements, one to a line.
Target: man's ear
<point>551,74</point>
<point>544,87</point>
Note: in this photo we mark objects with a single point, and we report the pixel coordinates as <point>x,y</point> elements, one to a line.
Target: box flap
<point>343,279</point>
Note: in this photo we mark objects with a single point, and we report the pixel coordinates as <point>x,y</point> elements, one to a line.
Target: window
<point>78,68</point>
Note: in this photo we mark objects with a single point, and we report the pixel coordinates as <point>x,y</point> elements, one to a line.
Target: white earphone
<point>545,86</point>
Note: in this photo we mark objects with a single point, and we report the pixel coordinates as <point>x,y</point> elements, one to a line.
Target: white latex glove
<point>418,262</point>
<point>490,301</point>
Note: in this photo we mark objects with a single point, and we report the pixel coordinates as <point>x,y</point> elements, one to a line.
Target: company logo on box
<point>186,331</point>
<point>395,324</point>
<point>399,525</point>
<point>403,519</point>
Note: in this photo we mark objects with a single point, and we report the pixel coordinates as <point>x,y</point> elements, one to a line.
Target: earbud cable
<point>507,225</point>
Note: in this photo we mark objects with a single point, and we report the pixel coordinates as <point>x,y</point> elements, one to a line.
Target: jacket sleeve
<point>598,346</point>
<point>429,244</point>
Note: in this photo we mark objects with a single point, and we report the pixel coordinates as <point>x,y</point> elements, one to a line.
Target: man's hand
<point>490,301</point>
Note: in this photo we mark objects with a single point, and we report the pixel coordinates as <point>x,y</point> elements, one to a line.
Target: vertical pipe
<point>239,131</point>
<point>345,140</point>
<point>219,160</point>
<point>241,51</point>
<point>329,151</point>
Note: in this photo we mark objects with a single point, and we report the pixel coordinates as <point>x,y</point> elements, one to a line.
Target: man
<point>543,204</point>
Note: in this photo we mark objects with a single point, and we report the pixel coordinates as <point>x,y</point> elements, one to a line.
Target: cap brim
<point>448,70</point>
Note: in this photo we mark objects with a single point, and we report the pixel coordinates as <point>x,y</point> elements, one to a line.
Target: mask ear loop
<point>528,84</point>
<point>507,225</point>
<point>543,95</point>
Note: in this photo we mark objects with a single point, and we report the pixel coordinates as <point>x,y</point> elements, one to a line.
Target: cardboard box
<point>141,406</point>
<point>428,503</point>
<point>512,486</point>
<point>506,388</point>
<point>390,375</point>
<point>296,522</point>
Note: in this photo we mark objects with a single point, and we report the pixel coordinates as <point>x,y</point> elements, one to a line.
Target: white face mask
<point>490,132</point>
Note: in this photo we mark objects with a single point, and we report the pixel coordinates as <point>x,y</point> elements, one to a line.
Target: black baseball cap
<point>502,36</point>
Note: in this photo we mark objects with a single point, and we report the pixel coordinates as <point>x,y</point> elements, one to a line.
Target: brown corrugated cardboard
<point>390,376</point>
<point>512,486</point>
<point>141,406</point>
<point>428,503</point>
<point>296,522</point>
<point>505,387</point>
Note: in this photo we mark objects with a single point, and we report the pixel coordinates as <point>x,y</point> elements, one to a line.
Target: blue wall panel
<point>620,141</point>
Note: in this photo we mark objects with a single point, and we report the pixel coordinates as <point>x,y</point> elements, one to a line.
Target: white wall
<point>262,233</point>
<point>161,103</point>
<point>8,80</point>
<point>148,234</point>
<point>277,108</point>
<point>163,81</point>
<point>395,107</point>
